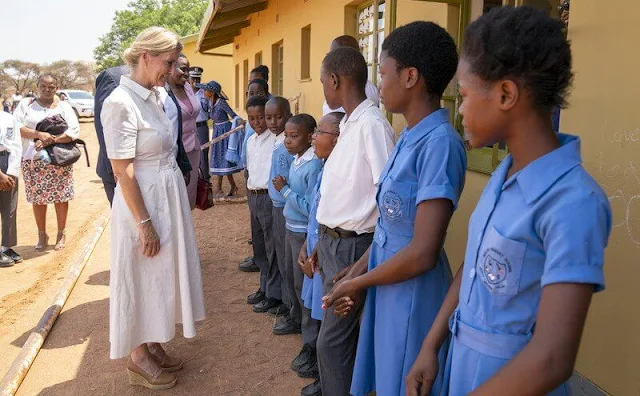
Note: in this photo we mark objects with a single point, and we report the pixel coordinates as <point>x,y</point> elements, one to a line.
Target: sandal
<point>160,381</point>
<point>43,241</point>
<point>61,240</point>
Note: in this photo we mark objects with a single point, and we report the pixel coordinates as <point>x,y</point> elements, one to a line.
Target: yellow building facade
<point>293,36</point>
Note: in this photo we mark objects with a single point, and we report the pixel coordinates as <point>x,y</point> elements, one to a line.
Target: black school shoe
<point>5,261</point>
<point>279,310</point>
<point>309,369</point>
<point>313,389</point>
<point>265,305</point>
<point>13,256</point>
<point>248,265</point>
<point>256,297</point>
<point>303,357</point>
<point>287,326</point>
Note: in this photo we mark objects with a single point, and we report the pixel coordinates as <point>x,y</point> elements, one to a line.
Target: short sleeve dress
<point>44,183</point>
<point>149,295</point>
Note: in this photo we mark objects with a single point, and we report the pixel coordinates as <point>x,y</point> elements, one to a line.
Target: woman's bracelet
<point>143,221</point>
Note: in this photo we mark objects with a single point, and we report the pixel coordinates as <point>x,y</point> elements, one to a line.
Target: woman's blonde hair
<point>154,40</point>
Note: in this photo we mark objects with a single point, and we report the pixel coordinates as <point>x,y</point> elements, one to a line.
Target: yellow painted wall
<point>604,108</point>
<point>217,68</point>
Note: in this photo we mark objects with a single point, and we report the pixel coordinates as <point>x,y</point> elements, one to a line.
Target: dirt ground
<point>233,353</point>
<point>27,289</point>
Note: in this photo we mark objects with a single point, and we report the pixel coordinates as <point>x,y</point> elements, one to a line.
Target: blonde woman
<point>155,267</point>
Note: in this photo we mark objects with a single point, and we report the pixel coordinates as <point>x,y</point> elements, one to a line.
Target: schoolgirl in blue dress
<point>535,252</point>
<point>406,273</point>
<point>222,115</point>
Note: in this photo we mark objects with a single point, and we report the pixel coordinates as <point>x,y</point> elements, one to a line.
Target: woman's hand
<point>46,138</point>
<point>423,373</point>
<point>279,182</point>
<point>149,239</point>
<point>7,183</point>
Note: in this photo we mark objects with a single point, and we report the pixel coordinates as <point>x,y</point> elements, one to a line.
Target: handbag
<point>204,194</point>
<point>61,154</point>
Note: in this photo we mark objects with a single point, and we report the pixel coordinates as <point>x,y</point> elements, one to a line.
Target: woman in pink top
<point>189,106</point>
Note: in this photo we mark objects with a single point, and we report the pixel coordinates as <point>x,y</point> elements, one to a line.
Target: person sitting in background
<point>45,183</point>
<point>156,281</point>
<point>371,90</point>
<point>182,108</point>
<point>6,105</point>
<point>10,154</point>
<point>62,96</point>
<point>222,115</point>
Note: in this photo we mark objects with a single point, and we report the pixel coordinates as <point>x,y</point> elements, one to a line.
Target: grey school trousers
<point>8,208</point>
<point>261,234</point>
<point>338,337</point>
<point>299,313</point>
<point>279,233</point>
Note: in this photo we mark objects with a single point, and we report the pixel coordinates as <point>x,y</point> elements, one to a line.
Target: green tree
<point>181,16</point>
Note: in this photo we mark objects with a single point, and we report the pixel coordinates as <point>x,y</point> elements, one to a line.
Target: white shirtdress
<point>149,295</point>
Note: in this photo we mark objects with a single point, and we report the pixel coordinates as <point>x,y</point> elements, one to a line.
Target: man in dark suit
<point>106,82</point>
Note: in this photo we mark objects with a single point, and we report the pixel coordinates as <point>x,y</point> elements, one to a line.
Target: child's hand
<point>313,262</point>
<point>279,182</point>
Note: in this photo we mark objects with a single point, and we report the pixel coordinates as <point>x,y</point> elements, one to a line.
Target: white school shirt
<point>29,113</point>
<point>10,141</point>
<point>259,154</point>
<point>170,109</point>
<point>351,173</point>
<point>372,94</point>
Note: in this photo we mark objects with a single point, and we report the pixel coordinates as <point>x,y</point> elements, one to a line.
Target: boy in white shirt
<point>347,212</point>
<point>259,153</point>
<point>10,156</point>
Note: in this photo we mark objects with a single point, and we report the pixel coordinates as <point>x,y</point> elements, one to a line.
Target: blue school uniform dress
<point>429,162</point>
<point>222,115</point>
<point>312,287</point>
<point>549,223</point>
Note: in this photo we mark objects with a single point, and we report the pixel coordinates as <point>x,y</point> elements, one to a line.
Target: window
<point>277,65</point>
<point>245,80</point>
<point>305,51</point>
<point>237,79</point>
<point>370,34</point>
<point>258,59</point>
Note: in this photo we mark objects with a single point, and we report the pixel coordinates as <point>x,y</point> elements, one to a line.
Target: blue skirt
<point>395,321</point>
<point>219,166</point>
<point>312,295</point>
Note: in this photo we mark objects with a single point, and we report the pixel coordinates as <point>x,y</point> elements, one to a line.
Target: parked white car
<point>81,101</point>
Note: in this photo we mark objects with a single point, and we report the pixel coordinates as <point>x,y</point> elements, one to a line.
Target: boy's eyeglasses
<point>317,131</point>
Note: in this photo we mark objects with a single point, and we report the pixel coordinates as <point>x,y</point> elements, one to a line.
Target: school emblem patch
<point>10,133</point>
<point>392,205</point>
<point>282,161</point>
<point>495,269</point>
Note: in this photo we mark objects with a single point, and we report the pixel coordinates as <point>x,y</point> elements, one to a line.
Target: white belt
<point>155,165</point>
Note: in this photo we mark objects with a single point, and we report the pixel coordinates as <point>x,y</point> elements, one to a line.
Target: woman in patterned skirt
<point>46,184</point>
<point>221,114</point>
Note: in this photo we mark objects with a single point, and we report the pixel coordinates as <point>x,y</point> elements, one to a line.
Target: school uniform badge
<point>494,269</point>
<point>392,205</point>
<point>10,133</point>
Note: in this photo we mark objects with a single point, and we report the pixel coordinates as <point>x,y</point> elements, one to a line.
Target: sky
<point>44,31</point>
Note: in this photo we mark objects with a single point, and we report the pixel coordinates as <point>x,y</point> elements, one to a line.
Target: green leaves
<point>181,16</point>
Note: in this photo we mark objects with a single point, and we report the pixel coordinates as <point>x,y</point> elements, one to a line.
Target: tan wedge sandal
<point>139,377</point>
